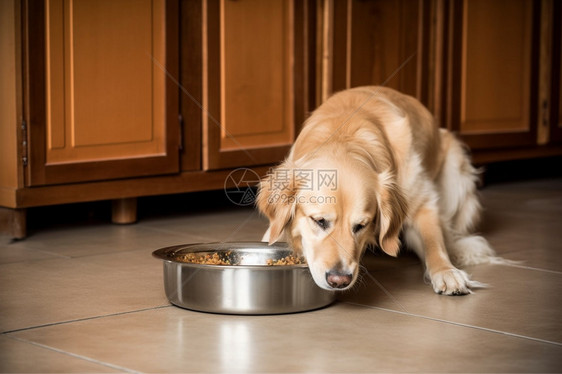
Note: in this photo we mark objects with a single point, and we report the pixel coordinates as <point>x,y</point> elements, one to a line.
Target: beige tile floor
<point>88,297</point>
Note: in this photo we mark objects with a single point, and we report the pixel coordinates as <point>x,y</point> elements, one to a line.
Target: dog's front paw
<point>453,282</point>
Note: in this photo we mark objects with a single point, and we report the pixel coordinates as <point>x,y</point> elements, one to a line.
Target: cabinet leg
<point>124,211</point>
<point>13,222</point>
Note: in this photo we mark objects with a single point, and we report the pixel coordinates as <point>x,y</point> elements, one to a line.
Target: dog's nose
<point>338,280</point>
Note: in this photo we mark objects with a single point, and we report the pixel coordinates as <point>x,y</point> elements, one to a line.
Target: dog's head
<point>330,208</point>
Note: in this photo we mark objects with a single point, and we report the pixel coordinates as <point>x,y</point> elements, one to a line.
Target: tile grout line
<point>75,355</point>
<point>533,268</point>
<point>458,324</point>
<point>388,294</point>
<point>31,248</point>
<point>6,333</point>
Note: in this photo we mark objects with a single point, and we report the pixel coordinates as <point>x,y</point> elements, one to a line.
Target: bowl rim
<point>166,254</point>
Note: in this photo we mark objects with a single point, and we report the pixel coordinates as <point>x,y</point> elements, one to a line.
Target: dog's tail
<point>460,206</point>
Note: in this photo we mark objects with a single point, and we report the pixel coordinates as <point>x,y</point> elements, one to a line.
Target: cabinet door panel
<point>252,55</point>
<point>372,43</point>
<point>107,100</point>
<point>256,75</point>
<point>494,70</point>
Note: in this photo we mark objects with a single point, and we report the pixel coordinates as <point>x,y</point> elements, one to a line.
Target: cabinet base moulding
<point>481,157</point>
<point>123,193</point>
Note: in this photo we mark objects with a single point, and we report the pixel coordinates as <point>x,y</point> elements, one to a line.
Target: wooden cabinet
<point>116,99</point>
<point>484,68</point>
<point>105,100</point>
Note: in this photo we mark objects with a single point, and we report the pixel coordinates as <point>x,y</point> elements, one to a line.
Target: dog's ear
<point>276,200</point>
<point>392,212</point>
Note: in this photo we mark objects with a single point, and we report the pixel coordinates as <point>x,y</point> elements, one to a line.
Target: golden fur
<point>396,171</point>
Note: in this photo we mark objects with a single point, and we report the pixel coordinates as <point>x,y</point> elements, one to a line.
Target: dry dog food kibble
<point>224,259</point>
<point>288,260</point>
<point>206,259</point>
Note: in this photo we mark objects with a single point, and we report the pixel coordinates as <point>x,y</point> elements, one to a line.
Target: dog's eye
<point>358,227</point>
<point>321,222</point>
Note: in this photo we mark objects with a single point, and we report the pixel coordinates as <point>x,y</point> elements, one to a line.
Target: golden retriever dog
<point>370,167</point>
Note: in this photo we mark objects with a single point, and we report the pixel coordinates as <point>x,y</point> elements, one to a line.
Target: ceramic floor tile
<point>341,338</point>
<point>523,222</point>
<point>519,301</point>
<point>22,357</point>
<point>10,254</point>
<point>227,224</point>
<point>509,230</point>
<point>537,258</point>
<point>523,204</point>
<point>91,294</point>
<point>526,189</point>
<point>87,240</point>
<point>53,291</point>
<point>376,260</point>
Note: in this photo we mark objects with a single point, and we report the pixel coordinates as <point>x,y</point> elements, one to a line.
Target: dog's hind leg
<point>460,207</point>
<point>456,183</point>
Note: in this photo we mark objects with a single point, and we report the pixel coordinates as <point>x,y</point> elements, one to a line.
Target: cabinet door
<point>370,43</point>
<point>100,103</point>
<point>493,72</point>
<point>253,54</point>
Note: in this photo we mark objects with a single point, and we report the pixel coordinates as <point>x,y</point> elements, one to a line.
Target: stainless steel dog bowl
<point>249,286</point>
